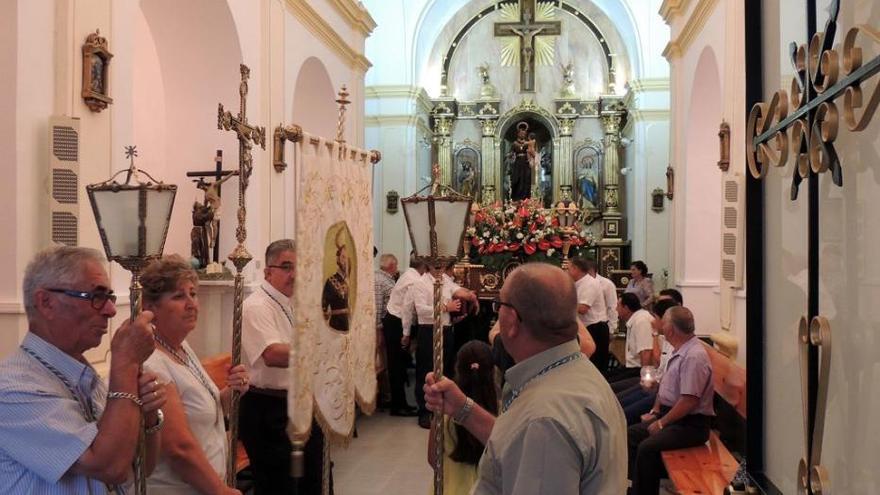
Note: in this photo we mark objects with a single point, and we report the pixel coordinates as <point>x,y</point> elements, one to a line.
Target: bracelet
<point>660,424</point>
<point>159,423</point>
<point>126,395</point>
<point>462,415</point>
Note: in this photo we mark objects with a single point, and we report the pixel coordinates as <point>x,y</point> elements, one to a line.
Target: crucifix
<point>527,29</point>
<point>240,256</point>
<point>211,203</point>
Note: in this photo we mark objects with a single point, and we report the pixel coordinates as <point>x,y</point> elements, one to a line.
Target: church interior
<point>720,148</point>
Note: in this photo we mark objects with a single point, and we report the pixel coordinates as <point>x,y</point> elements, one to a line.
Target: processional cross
<point>527,30</point>
<point>240,255</point>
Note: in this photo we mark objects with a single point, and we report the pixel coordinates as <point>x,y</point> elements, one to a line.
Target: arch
<point>526,109</point>
<point>702,202</point>
<point>313,100</point>
<point>182,69</point>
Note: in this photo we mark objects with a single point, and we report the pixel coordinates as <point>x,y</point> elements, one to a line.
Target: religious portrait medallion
<point>340,282</point>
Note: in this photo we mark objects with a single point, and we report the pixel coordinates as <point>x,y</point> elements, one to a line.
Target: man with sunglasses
<point>266,334</point>
<point>561,428</point>
<point>62,428</point>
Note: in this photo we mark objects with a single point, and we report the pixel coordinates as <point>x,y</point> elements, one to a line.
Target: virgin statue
<point>522,152</point>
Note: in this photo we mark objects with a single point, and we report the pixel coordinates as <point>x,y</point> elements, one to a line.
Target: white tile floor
<point>389,457</point>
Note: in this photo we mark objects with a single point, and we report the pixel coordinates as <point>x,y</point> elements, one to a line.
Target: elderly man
<point>383,284</point>
<point>609,294</point>
<point>591,309</point>
<point>561,428</point>
<point>683,409</point>
<point>266,333</point>
<point>62,428</point>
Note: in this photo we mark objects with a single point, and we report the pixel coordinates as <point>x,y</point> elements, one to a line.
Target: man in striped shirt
<point>62,428</point>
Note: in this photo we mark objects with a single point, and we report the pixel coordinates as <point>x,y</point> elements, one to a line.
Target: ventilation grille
<point>731,230</point>
<point>64,184</point>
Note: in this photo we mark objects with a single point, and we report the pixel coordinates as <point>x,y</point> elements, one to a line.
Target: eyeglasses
<point>496,307</point>
<point>97,298</point>
<point>287,267</point>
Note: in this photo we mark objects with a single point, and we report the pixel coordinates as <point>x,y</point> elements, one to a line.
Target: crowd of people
<point>536,410</point>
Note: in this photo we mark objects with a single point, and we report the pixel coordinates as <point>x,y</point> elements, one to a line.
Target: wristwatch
<point>160,421</point>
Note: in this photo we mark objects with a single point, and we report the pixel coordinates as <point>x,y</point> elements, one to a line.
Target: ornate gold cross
<point>240,255</point>
<point>527,29</point>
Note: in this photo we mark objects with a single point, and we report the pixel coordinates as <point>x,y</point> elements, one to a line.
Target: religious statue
<point>201,216</point>
<point>334,299</point>
<point>467,178</point>
<point>487,89</point>
<point>435,179</point>
<point>523,155</point>
<point>212,206</point>
<point>587,183</point>
<point>568,89</point>
<point>527,33</point>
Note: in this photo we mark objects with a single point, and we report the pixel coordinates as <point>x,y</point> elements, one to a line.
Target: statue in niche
<point>568,89</point>
<point>587,182</point>
<point>467,178</point>
<point>487,89</point>
<point>521,159</point>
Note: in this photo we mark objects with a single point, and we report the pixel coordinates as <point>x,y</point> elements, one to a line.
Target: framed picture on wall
<point>96,65</point>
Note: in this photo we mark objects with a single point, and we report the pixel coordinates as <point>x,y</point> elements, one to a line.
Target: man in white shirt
<point>639,337</point>
<point>267,330</point>
<point>609,293</point>
<point>397,338</point>
<point>421,298</point>
<point>591,309</point>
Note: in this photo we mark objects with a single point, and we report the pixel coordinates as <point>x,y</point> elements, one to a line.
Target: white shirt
<point>204,416</point>
<point>590,293</point>
<point>666,351</point>
<point>398,293</point>
<point>638,337</point>
<point>421,297</point>
<point>609,291</point>
<point>267,318</point>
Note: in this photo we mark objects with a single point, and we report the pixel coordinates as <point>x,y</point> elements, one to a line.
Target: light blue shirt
<point>42,427</point>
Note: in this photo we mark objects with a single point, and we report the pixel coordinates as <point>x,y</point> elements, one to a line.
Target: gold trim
<point>324,32</point>
<point>650,84</point>
<point>691,29</point>
<point>355,15</point>
<point>671,8</point>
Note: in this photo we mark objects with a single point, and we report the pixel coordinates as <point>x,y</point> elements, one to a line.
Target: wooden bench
<point>708,469</point>
<point>216,367</point>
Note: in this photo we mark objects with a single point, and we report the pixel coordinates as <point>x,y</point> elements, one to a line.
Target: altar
<point>546,110</point>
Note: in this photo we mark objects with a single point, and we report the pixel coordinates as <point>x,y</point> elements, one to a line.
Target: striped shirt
<point>383,284</point>
<point>43,431</point>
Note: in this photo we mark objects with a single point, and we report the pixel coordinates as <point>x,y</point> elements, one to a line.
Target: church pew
<point>708,469</point>
<point>216,366</point>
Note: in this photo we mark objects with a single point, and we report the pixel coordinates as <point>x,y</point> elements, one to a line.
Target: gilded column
<point>443,147</point>
<point>611,213</point>
<point>489,170</point>
<point>564,174</point>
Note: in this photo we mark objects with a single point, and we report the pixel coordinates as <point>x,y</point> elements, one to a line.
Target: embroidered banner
<point>335,339</point>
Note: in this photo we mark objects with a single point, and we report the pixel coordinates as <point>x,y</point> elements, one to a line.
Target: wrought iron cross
<point>527,29</point>
<point>240,256</point>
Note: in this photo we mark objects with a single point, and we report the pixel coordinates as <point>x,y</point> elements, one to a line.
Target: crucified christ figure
<point>212,203</point>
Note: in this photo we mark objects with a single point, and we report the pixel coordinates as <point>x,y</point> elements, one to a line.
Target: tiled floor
<point>389,457</point>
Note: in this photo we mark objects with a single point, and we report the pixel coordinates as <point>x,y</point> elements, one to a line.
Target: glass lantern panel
<point>119,220</point>
<point>159,204</point>
<point>451,216</point>
<point>417,220</point>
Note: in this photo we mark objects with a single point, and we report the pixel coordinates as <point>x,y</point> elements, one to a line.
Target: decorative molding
<point>671,8</point>
<point>395,91</point>
<point>691,29</point>
<point>324,32</point>
<point>651,84</point>
<point>11,308</point>
<point>397,120</point>
<point>637,115</point>
<point>356,15</point>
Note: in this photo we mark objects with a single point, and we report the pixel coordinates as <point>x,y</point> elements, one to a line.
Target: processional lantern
<point>436,224</point>
<point>133,218</point>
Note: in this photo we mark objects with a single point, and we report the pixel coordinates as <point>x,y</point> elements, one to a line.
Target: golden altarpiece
<point>552,72</point>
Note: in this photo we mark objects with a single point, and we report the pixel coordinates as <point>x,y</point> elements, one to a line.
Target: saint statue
<point>334,299</point>
<point>523,154</point>
<point>487,89</point>
<point>587,183</point>
<point>467,178</point>
<point>211,214</point>
<point>568,90</point>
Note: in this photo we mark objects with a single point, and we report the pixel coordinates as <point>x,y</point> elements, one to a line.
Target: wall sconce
<point>391,201</point>
<point>670,182</point>
<point>657,199</point>
<point>724,144</point>
<point>282,134</point>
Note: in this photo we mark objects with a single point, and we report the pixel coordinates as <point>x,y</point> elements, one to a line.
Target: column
<point>443,147</point>
<point>611,215</point>
<point>490,169</point>
<point>563,175</point>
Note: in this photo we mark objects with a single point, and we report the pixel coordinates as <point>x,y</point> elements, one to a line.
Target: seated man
<point>682,412</point>
<point>62,428</point>
<point>638,337</point>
